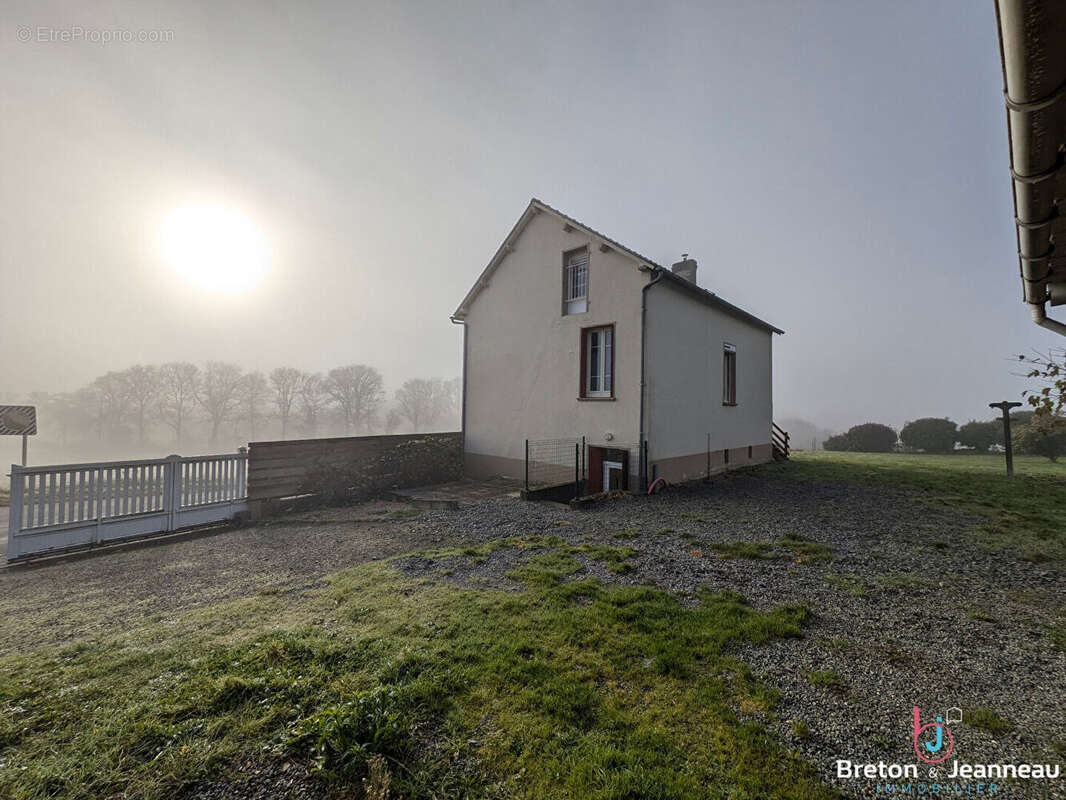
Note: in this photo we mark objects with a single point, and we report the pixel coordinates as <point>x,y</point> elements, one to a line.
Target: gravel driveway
<point>906,612</point>
<point>54,602</point>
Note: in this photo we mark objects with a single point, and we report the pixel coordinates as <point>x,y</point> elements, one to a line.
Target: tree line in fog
<point>1034,433</point>
<point>181,403</point>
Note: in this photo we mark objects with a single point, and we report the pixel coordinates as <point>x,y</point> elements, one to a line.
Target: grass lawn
<point>1026,513</point>
<point>568,689</point>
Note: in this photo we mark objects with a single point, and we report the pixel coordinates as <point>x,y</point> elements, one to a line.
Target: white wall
<point>522,365</point>
<point>684,377</point>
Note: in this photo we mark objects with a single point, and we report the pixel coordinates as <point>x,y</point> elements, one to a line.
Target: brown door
<point>595,470</point>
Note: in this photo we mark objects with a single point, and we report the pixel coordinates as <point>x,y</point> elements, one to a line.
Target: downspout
<point>641,461</point>
<point>1041,318</point>
<point>462,407</point>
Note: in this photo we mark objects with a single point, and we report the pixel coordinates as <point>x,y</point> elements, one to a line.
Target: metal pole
<point>1006,406</point>
<point>25,439</point>
<point>527,465</point>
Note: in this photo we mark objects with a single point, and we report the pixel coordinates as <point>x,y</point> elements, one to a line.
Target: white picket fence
<point>71,506</point>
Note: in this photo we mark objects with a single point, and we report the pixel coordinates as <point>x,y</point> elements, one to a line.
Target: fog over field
<point>839,169</point>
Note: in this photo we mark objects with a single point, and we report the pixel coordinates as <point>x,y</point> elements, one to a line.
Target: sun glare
<point>215,247</point>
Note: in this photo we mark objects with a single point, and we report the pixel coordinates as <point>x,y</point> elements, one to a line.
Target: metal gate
<point>72,506</point>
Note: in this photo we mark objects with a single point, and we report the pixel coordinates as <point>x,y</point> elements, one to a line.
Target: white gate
<point>58,508</point>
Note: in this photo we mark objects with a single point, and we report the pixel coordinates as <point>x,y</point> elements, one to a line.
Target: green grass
<point>805,551</point>
<point>567,689</point>
<point>987,719</point>
<point>754,550</point>
<point>848,582</point>
<point>613,557</point>
<point>828,678</point>
<point>1025,514</point>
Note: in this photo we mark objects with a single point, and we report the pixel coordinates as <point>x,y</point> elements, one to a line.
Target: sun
<point>215,247</point>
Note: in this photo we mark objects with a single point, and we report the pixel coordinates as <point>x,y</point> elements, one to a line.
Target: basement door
<point>608,470</point>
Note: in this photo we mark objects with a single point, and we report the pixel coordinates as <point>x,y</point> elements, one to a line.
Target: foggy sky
<point>839,169</point>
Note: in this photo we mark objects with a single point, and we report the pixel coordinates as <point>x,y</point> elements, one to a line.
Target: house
<point>569,334</point>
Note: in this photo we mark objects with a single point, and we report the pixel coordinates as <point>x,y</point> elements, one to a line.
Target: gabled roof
<point>713,300</point>
<point>537,206</point>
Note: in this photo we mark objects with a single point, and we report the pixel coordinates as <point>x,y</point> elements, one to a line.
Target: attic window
<point>576,281</point>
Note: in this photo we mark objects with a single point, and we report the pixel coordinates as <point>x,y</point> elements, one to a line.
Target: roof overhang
<point>1032,41</point>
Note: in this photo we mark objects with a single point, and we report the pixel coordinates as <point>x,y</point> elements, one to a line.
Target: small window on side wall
<point>576,281</point>
<point>729,375</point>
<point>597,362</point>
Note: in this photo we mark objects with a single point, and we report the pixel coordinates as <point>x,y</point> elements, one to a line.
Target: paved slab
<point>461,493</point>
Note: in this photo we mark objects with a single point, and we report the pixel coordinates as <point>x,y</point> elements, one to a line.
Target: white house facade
<point>569,334</point>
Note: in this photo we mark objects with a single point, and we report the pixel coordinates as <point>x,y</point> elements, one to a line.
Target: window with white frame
<point>576,280</point>
<point>598,357</point>
<point>729,375</point>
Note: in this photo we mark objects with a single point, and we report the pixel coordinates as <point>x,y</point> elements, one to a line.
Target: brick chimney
<point>685,268</point>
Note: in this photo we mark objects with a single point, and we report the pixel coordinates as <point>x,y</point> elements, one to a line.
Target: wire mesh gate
<point>571,464</point>
<point>556,462</point>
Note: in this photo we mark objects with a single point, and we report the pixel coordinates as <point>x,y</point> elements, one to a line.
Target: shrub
<point>839,443</point>
<point>1043,436</point>
<point>872,437</point>
<point>931,434</point>
<point>981,435</point>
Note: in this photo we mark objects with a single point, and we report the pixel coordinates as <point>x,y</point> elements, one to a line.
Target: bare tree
<point>312,397</point>
<point>358,391</point>
<point>179,386</point>
<point>254,392</point>
<point>66,412</point>
<point>424,403</point>
<point>142,384</point>
<point>220,391</point>
<point>113,395</point>
<point>285,382</point>
<point>452,400</point>
<point>419,401</point>
<point>393,420</point>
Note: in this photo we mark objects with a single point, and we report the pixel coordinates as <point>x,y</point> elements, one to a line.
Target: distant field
<point>993,463</point>
<point>1026,513</point>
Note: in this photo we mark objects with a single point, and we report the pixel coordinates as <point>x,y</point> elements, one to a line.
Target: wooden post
<point>1006,406</point>
<point>14,520</point>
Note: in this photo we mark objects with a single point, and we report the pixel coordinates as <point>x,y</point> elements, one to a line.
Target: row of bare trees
<point>181,402</point>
